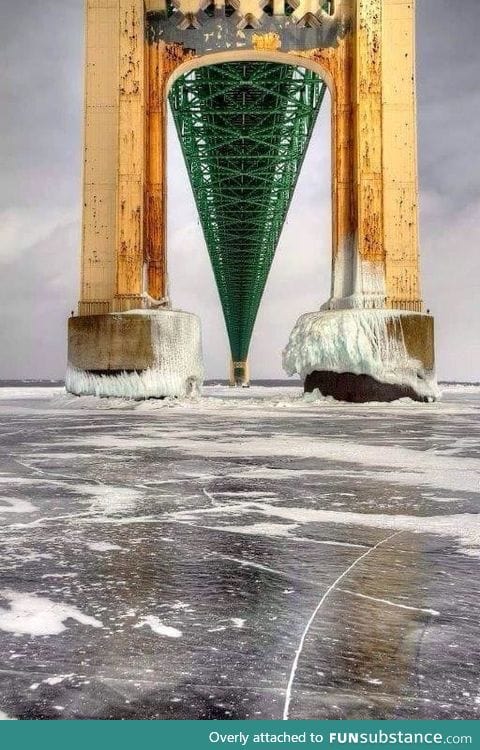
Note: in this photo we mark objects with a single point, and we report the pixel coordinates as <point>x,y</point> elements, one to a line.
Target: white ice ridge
<point>177,371</point>
<point>362,342</point>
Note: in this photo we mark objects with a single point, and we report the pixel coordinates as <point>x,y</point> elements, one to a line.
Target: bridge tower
<point>245,80</point>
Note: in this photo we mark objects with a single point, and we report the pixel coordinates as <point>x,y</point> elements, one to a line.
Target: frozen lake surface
<point>249,555</point>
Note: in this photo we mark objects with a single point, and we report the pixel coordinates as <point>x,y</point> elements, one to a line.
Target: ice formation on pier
<point>361,342</point>
<point>177,370</point>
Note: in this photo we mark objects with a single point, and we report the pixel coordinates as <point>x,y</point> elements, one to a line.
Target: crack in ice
<point>432,612</point>
<point>288,693</point>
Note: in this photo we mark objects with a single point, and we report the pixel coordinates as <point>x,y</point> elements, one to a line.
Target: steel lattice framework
<point>244,129</point>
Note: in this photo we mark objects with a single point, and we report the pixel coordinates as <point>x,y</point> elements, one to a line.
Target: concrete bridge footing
<point>362,355</point>
<point>139,354</point>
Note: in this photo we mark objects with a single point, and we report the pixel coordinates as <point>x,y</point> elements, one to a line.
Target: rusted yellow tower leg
<point>161,61</point>
<point>374,161</point>
<point>399,156</point>
<point>344,232</point>
<point>131,158</point>
<point>98,259</point>
<point>388,273</point>
<point>156,187</point>
<point>371,341</point>
<point>369,270</point>
<point>122,343</point>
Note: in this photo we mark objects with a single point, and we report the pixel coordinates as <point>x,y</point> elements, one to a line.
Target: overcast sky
<point>41,57</point>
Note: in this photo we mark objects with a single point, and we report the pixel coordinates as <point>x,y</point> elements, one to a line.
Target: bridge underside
<point>247,88</point>
<point>244,129</point>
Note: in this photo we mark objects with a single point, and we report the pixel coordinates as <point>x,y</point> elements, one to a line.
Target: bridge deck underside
<point>244,129</point>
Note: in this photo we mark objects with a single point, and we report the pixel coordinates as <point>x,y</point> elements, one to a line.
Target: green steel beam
<point>244,128</point>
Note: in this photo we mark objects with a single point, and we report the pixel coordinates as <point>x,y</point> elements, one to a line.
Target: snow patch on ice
<point>261,529</point>
<point>177,371</point>
<point>361,342</point>
<point>110,499</point>
<point>102,546</point>
<point>252,493</point>
<point>58,679</point>
<point>30,614</point>
<point>15,505</point>
<point>155,624</point>
<point>4,717</point>
<point>238,622</point>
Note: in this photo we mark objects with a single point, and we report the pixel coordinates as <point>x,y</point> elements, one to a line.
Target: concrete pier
<point>364,355</point>
<point>140,354</point>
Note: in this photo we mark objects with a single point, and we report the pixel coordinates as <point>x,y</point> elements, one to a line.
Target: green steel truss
<point>244,129</point>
